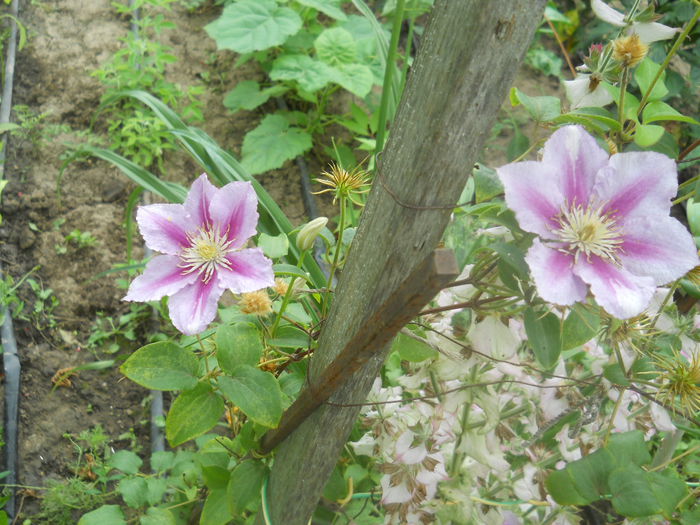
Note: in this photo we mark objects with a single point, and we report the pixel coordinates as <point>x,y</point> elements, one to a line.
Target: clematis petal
<point>194,307</point>
<point>234,209</point>
<point>579,93</point>
<point>576,158</point>
<point>250,271</point>
<point>639,183</point>
<point>394,494</point>
<point>161,277</point>
<point>164,227</point>
<point>198,200</point>
<point>552,271</point>
<point>607,13</point>
<point>618,291</point>
<point>660,247</point>
<point>531,194</point>
<point>653,31</point>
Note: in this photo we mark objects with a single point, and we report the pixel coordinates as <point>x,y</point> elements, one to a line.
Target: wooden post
<point>465,65</point>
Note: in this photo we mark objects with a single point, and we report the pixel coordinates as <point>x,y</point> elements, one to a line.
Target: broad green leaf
<point>243,489</point>
<point>272,143</point>
<point>289,336</point>
<point>287,270</point>
<point>356,78</point>
<point>336,46</point>
<point>104,515</point>
<point>613,372</point>
<point>162,461</point>
<point>133,491</point>
<point>658,110</point>
<point>216,508</point>
<point>155,490</point>
<point>274,247</point>
<point>543,334</point>
<point>327,7</point>
<point>253,25</point>
<point>157,516</point>
<point>255,392</point>
<point>668,490</point>
<point>591,475</point>
<point>238,344</point>
<point>634,495</point>
<point>646,135</point>
<point>644,75</point>
<point>580,326</point>
<point>629,447</point>
<point>248,95</point>
<point>411,349</point>
<point>542,109</point>
<point>310,74</point>
<point>513,256</point>
<point>561,487</point>
<point>162,366</point>
<point>126,461</point>
<point>192,414</point>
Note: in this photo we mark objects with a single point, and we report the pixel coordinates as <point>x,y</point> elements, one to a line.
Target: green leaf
<point>591,476</point>
<point>155,490</point>
<point>239,344</point>
<point>244,486</point>
<point>272,143</point>
<point>248,95</point>
<point>542,109</point>
<point>646,135</point>
<point>156,516</point>
<point>253,25</point>
<point>412,350</point>
<point>658,110</point>
<point>327,7</point>
<point>162,461</point>
<point>486,183</point>
<point>104,515</point>
<point>133,491</point>
<point>543,334</point>
<point>356,78</point>
<point>634,496</point>
<point>645,73</point>
<point>613,372</point>
<point>288,270</point>
<point>580,326</point>
<point>289,336</point>
<point>513,256</point>
<point>560,485</point>
<point>192,414</point>
<point>274,247</point>
<point>216,508</point>
<point>310,74</point>
<point>255,392</point>
<point>336,46</point>
<point>126,461</point>
<point>629,447</point>
<point>162,366</point>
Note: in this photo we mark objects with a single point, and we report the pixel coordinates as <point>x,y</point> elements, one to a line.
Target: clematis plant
<point>202,242</point>
<point>602,223</point>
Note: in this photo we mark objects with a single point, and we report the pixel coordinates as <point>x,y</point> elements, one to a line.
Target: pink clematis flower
<point>602,222</point>
<point>203,245</point>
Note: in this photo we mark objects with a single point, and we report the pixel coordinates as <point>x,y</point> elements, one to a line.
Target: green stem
<point>621,103</point>
<point>287,296</point>
<point>336,255</point>
<point>389,75</point>
<point>676,45</point>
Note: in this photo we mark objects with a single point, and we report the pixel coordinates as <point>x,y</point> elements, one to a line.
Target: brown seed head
<point>629,50</point>
<point>257,303</point>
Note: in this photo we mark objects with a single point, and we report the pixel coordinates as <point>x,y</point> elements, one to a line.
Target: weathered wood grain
<point>466,62</point>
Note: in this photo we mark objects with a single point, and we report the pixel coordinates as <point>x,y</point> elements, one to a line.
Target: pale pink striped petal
<point>234,209</point>
<point>194,307</point>
<point>552,271</point>
<point>198,200</point>
<point>639,183</point>
<point>250,271</point>
<point>661,248</point>
<point>164,227</point>
<point>162,277</point>
<point>618,291</point>
<point>578,158</point>
<point>532,193</point>
<point>653,31</point>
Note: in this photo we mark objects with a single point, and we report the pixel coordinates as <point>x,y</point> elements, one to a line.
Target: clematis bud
<point>629,50</point>
<point>308,234</point>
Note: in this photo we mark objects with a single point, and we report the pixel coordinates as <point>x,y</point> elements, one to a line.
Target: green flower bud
<point>307,235</point>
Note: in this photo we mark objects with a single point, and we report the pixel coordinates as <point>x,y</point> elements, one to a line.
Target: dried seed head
<point>281,286</point>
<point>257,303</point>
<point>680,379</point>
<point>343,183</point>
<point>629,50</point>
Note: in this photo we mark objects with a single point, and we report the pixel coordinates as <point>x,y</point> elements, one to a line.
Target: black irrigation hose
<point>11,364</point>
<point>157,437</point>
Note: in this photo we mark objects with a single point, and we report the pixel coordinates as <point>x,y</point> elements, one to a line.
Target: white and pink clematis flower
<point>648,31</point>
<point>602,222</point>
<point>202,242</point>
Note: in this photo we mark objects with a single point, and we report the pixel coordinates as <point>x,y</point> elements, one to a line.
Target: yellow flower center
<point>589,231</point>
<point>207,252</point>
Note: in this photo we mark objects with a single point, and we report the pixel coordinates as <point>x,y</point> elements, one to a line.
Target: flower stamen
<point>589,231</point>
<point>207,252</point>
